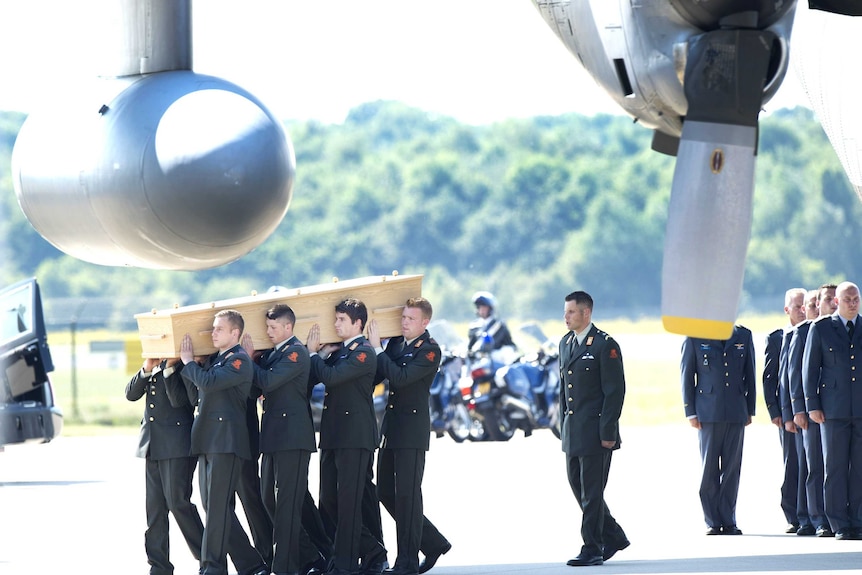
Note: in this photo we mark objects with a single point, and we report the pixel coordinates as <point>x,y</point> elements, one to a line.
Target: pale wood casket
<point>162,331</point>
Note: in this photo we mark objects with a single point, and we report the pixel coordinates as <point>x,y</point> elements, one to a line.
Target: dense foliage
<point>530,209</point>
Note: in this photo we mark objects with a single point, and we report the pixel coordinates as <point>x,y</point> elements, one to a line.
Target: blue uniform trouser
<point>721,460</point>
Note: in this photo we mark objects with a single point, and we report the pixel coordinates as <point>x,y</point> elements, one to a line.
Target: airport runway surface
<point>76,506</point>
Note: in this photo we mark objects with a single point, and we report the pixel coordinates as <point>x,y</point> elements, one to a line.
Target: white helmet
<point>484,298</point>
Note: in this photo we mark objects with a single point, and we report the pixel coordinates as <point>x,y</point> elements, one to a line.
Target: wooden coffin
<point>162,331</point>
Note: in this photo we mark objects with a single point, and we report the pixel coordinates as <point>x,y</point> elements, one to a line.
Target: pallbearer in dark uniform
<point>286,438</point>
<point>348,434</point>
<point>832,381</point>
<point>591,400</point>
<point>165,441</point>
<point>719,392</point>
<point>410,363</point>
<point>220,440</point>
<point>775,391</point>
<point>809,442</point>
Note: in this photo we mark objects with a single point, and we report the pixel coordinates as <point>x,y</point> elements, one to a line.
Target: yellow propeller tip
<point>697,327</point>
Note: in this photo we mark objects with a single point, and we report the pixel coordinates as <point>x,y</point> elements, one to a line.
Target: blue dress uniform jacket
<point>830,371</point>
<point>282,377</point>
<point>718,379</point>
<point>168,415</point>
<point>410,372</point>
<point>795,366</point>
<point>223,387</point>
<point>348,419</point>
<point>770,373</point>
<point>591,392</point>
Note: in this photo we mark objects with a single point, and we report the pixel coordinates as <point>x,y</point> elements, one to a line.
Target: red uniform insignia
<point>362,357</point>
<point>430,355</point>
<point>614,354</point>
<point>293,356</point>
<point>236,363</point>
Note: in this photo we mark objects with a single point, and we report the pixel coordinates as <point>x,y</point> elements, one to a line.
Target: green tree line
<point>530,209</point>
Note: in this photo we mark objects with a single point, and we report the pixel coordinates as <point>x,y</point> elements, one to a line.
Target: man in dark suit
<point>774,390</point>
<point>591,400</point>
<point>348,435</point>
<point>410,363</point>
<point>165,441</point>
<point>286,438</point>
<point>220,440</point>
<point>810,451</point>
<point>719,392</point>
<point>832,396</point>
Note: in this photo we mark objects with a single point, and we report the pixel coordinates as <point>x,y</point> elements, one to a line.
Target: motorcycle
<point>449,413</point>
<point>505,396</point>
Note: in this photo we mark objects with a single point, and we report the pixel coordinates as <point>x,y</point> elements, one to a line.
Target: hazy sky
<point>477,60</point>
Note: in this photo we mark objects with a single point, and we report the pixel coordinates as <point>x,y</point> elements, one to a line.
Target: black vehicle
<point>27,411</point>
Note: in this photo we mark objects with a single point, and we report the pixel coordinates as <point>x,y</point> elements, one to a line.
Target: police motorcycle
<point>530,388</point>
<point>448,412</point>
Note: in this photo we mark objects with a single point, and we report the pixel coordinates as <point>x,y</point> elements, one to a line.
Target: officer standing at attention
<point>774,370</point>
<point>165,442</point>
<point>719,392</point>
<point>591,400</point>
<point>410,364</point>
<point>810,452</point>
<point>220,440</point>
<point>348,435</point>
<point>286,439</point>
<point>829,378</point>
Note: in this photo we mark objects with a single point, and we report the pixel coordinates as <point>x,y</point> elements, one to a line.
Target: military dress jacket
<point>281,375</point>
<point>770,373</point>
<point>718,378</point>
<point>348,420</point>
<point>222,386</point>
<point>832,367</point>
<point>168,414</point>
<point>794,367</point>
<point>592,389</point>
<point>410,371</point>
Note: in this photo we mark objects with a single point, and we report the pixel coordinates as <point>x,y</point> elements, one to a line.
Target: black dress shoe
<point>584,560</point>
<point>713,531</point>
<point>824,531</point>
<point>791,528</point>
<point>805,530</point>
<point>374,563</point>
<point>731,530</point>
<point>316,567</point>
<point>432,557</point>
<point>400,571</point>
<point>611,550</point>
<point>844,534</point>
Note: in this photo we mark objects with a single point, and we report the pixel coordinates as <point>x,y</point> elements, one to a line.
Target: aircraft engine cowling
<point>172,170</point>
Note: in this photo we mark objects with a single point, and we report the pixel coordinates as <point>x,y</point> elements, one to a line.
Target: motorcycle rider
<point>488,333</point>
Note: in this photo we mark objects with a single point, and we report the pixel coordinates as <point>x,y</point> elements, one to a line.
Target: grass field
<point>652,395</point>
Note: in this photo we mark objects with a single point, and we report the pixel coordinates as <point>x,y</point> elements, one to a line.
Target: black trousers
<point>343,474</point>
<point>284,483</point>
<point>399,487</point>
<point>218,474</point>
<point>169,489</point>
<point>249,491</point>
<point>588,475</point>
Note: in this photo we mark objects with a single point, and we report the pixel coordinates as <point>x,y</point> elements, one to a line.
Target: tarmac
<point>76,506</point>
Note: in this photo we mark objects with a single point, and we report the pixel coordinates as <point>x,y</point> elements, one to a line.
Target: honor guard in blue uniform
<point>719,392</point>
<point>410,364</point>
<point>811,472</point>
<point>774,391</point>
<point>592,390</point>
<point>833,395</point>
<point>165,442</point>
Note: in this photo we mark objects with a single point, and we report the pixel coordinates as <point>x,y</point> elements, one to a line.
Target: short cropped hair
<point>234,318</point>
<point>581,298</point>
<point>283,312</point>
<point>354,309</point>
<point>422,305</point>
